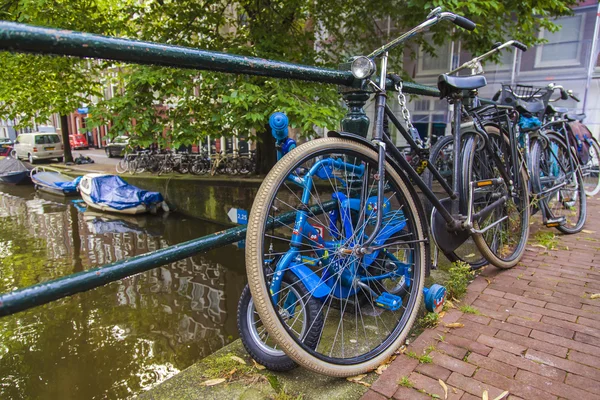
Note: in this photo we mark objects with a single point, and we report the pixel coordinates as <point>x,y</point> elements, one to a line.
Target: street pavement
<point>535,332</point>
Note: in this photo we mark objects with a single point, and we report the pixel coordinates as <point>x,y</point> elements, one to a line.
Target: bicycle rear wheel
<point>556,175</point>
<point>500,213</point>
<point>591,170</point>
<point>442,157</point>
<point>314,210</point>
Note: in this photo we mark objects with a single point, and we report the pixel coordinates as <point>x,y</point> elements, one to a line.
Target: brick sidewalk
<point>538,335</point>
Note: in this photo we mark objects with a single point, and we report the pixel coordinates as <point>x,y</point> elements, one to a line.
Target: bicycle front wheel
<point>557,180</point>
<point>591,170</point>
<point>442,157</point>
<point>500,213</point>
<point>312,214</point>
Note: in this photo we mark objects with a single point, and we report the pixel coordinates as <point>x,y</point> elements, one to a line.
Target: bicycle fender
<point>312,281</point>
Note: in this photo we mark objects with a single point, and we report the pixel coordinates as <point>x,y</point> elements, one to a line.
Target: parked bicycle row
<point>183,162</point>
<point>338,242</point>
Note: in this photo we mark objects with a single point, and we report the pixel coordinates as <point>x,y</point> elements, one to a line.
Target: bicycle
<point>442,153</point>
<point>556,178</point>
<point>338,219</point>
<point>587,147</point>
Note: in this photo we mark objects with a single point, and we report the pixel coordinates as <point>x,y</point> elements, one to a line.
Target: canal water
<point>115,341</point>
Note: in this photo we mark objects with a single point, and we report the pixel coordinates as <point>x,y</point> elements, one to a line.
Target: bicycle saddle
<point>532,107</point>
<point>449,84</point>
<point>576,117</point>
<point>550,109</point>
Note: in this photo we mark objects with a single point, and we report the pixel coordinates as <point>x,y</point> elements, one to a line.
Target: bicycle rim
<point>333,216</point>
<point>556,173</point>
<point>591,170</point>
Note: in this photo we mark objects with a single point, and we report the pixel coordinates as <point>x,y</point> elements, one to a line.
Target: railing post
<point>356,120</point>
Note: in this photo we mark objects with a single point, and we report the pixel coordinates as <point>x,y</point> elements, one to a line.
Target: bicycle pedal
<point>488,182</point>
<point>389,301</point>
<point>552,223</point>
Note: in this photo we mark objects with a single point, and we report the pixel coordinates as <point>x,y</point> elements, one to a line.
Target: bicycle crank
<point>446,240</point>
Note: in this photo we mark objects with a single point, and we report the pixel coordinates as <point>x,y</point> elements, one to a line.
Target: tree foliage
<point>191,104</point>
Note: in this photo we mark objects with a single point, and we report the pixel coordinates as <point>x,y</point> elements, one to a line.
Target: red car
<point>78,141</point>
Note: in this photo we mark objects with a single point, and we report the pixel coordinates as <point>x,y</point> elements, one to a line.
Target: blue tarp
<point>70,186</point>
<point>114,192</point>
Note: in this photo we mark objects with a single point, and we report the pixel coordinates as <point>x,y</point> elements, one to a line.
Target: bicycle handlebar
<point>571,95</point>
<point>435,16</point>
<point>464,23</point>
<point>474,62</point>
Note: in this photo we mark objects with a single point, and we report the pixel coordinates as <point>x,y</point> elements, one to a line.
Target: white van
<point>38,146</point>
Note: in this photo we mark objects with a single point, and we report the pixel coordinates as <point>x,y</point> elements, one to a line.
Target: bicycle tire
<point>543,158</point>
<point>255,239</point>
<point>259,347</point>
<point>478,165</point>
<point>442,156</point>
<point>591,170</point>
<point>122,166</point>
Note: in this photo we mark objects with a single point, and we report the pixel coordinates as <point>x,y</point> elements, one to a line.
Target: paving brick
<point>565,365</point>
<point>543,326</point>
<point>545,311</point>
<point>507,326</point>
<point>492,365</point>
<point>493,292</point>
<point>427,338</point>
<point>501,344</point>
<point>592,323</point>
<point>504,302</point>
<point>582,358</point>
<point>521,362</point>
<point>372,395</point>
<point>469,396</point>
<point>570,310</point>
<point>410,394</point>
<point>583,383</point>
<point>506,288</point>
<point>486,304</point>
<point>473,386</point>
<point>526,300</point>
<point>451,350</point>
<point>518,312</point>
<point>387,383</point>
<point>551,386</point>
<point>434,371</point>
<point>533,343</point>
<point>591,340</point>
<point>514,387</point>
<point>495,314</point>
<point>480,319</point>
<point>479,328</point>
<point>476,347</point>
<point>568,343</point>
<point>433,387</point>
<point>453,364</point>
<point>573,326</point>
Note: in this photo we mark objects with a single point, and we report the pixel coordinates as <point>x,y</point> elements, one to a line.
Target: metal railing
<point>32,39</point>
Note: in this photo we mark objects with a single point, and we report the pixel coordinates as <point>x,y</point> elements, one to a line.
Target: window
<point>564,46</point>
<point>429,65</point>
<point>47,139</point>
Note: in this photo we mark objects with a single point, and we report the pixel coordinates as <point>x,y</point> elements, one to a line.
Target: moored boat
<point>13,172</point>
<point>52,181</point>
<point>111,193</point>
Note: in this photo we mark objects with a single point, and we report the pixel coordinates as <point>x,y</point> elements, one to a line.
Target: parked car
<point>38,146</point>
<point>5,151</point>
<point>116,148</point>
<point>5,142</point>
<point>78,141</point>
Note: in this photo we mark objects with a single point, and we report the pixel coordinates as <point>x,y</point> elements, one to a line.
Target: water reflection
<point>114,341</point>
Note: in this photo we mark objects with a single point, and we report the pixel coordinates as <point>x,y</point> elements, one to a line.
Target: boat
<point>13,172</point>
<point>53,181</point>
<point>111,193</point>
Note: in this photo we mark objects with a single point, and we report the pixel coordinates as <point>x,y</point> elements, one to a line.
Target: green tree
<point>32,88</point>
<point>192,104</point>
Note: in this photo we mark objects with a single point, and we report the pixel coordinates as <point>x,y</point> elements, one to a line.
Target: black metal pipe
<point>33,39</point>
<point>45,292</point>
